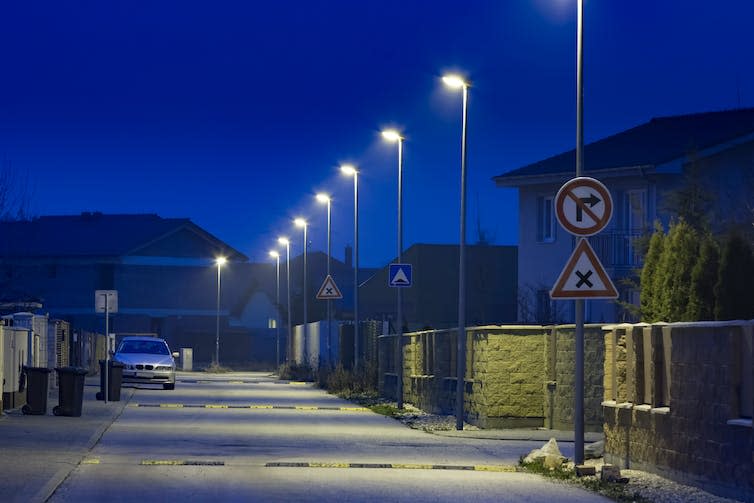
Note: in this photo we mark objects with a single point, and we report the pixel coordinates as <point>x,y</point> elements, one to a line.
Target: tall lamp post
<point>274,254</point>
<point>325,199</point>
<point>394,137</point>
<point>578,423</point>
<point>219,261</point>
<point>300,222</point>
<point>457,82</point>
<point>286,242</point>
<point>349,170</point>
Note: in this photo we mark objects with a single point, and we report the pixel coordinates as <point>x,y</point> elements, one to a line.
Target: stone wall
<point>516,376</point>
<point>678,401</point>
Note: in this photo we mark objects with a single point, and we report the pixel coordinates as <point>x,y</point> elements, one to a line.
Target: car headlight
<point>163,367</point>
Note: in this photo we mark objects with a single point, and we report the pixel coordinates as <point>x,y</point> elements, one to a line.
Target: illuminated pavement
<point>248,437</point>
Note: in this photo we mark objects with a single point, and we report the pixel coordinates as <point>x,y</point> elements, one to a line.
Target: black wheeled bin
<point>37,379</point>
<point>70,391</point>
<point>114,380</point>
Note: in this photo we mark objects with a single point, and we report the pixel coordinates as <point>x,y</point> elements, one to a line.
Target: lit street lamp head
<point>392,135</point>
<point>454,81</point>
<point>300,222</point>
<point>274,254</point>
<point>284,241</point>
<point>348,169</point>
<point>221,261</point>
<point>323,198</point>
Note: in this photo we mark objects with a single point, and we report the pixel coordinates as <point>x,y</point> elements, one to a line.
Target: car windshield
<point>148,347</point>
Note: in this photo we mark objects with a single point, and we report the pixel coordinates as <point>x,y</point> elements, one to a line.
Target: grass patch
<point>384,409</point>
<point>613,490</point>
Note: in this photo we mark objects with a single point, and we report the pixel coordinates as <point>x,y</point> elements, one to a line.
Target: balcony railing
<point>617,250</point>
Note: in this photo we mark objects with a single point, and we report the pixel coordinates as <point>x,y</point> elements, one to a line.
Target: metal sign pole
<point>105,392</point>
<point>578,423</point>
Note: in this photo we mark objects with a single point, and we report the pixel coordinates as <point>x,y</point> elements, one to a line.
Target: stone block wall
<point>516,376</point>
<point>678,401</point>
<point>507,374</point>
<point>560,386</point>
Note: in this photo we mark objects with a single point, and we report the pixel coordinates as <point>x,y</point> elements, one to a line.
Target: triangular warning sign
<point>329,290</point>
<point>583,277</point>
<point>400,278</point>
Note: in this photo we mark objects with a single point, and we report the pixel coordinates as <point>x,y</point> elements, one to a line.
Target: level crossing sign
<point>329,290</point>
<point>583,277</point>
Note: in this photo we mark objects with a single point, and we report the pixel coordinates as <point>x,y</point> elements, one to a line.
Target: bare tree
<point>15,194</point>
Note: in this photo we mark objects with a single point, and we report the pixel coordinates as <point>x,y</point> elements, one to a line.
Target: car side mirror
<point>176,354</point>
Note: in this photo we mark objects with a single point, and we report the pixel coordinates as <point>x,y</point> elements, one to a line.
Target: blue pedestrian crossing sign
<point>400,275</point>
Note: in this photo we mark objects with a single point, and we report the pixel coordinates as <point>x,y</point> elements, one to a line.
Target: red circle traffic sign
<point>583,206</point>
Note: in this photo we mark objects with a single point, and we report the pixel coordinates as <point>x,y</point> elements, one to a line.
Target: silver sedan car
<point>146,360</point>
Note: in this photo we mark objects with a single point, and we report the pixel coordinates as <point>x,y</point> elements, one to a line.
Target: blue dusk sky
<point>235,114</point>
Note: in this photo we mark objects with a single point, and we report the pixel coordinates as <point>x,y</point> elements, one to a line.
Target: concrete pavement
<point>39,452</point>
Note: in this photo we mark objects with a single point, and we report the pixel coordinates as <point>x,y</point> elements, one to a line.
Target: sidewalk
<point>38,452</point>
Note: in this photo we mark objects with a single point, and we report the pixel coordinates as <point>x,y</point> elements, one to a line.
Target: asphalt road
<point>248,437</point>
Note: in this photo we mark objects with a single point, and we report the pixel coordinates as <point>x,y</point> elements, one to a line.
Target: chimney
<point>349,256</point>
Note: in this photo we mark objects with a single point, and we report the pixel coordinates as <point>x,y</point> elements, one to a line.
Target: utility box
<point>187,359</point>
<point>15,354</point>
<point>2,365</point>
<point>58,348</point>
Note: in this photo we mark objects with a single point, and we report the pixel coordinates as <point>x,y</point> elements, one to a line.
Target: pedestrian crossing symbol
<point>400,275</point>
<point>584,277</point>
<point>329,290</point>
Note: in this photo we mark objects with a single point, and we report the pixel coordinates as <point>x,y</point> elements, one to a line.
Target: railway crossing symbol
<point>329,290</point>
<point>583,206</point>
<point>583,277</point>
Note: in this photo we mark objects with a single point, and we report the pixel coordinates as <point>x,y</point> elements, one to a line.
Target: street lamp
<point>300,222</point>
<point>393,136</point>
<point>349,170</point>
<point>219,261</point>
<point>457,82</point>
<point>325,199</point>
<point>286,242</point>
<point>578,422</point>
<point>274,254</point>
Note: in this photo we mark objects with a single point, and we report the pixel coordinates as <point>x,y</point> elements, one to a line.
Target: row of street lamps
<point>455,82</point>
<point>393,136</point>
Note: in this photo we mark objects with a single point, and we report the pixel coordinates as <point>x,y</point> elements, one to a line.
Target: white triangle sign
<point>329,290</point>
<point>583,277</point>
<point>400,278</point>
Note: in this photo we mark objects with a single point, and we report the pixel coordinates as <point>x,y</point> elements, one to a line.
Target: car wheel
<point>168,386</point>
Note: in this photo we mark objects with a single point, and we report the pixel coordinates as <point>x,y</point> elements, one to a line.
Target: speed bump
<point>394,466</point>
<point>245,406</point>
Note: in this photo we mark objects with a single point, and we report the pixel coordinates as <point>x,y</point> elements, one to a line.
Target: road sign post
<point>106,301</point>
<point>583,206</point>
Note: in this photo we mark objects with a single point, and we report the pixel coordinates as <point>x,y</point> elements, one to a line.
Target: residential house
<point>641,167</point>
<point>163,269</point>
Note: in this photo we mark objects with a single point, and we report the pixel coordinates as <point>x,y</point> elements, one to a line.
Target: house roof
<point>653,144</point>
<point>93,234</point>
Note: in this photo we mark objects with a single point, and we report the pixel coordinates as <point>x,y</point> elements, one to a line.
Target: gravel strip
<point>647,485</point>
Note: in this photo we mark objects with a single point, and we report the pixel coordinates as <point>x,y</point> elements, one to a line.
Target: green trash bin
<point>114,380</point>
<point>70,391</point>
<point>36,390</point>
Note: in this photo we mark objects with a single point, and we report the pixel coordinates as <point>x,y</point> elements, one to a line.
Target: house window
<point>545,220</point>
<point>272,323</point>
<point>636,210</point>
